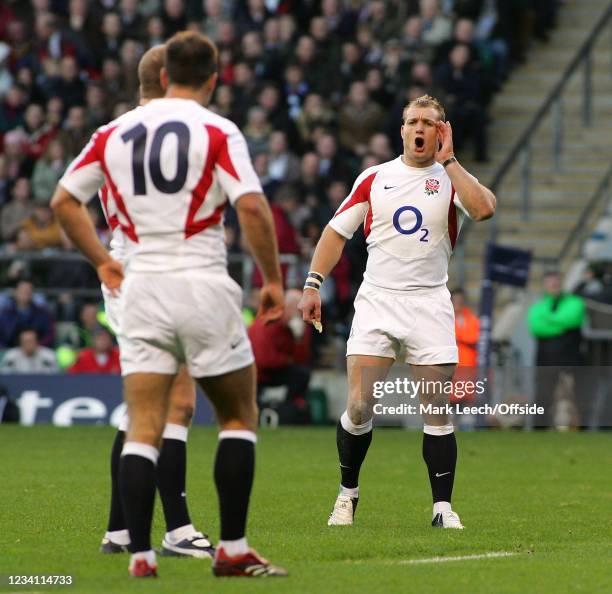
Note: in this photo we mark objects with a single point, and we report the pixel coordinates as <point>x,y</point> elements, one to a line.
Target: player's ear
<point>211,83</point>
<point>163,78</point>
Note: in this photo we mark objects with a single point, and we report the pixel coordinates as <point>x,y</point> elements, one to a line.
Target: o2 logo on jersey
<point>417,225</point>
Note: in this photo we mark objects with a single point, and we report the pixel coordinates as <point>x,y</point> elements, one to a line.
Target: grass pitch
<point>543,497</point>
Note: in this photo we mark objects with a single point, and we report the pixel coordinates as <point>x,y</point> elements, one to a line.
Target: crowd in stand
<point>317,86</point>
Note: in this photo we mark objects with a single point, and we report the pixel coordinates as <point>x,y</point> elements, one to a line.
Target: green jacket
<point>546,321</point>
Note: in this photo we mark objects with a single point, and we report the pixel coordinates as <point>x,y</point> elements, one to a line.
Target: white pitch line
<point>493,555</point>
<point>457,558</point>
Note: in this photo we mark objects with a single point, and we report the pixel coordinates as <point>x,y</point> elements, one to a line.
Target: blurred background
<point>318,88</point>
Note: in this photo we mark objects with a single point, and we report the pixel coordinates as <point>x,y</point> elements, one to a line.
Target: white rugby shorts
<point>418,329</point>
<point>190,317</point>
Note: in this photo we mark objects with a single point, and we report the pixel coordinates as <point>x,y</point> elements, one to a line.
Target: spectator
<point>296,88</point>
<point>51,42</point>
<point>17,210</point>
<point>96,103</point>
<point>215,14</point>
<point>260,164</point>
<point>435,26</point>
<point>283,165</point>
<point>4,183</point>
<point>112,31</point>
<point>380,90</point>
<point>101,357</point>
<point>155,32</point>
<point>37,133</point>
<point>6,78</point>
<point>130,56</point>
<point>89,323</point>
<point>75,132</point>
<point>48,171</point>
<point>555,322</point>
<point>282,355</point>
<point>132,22</point>
<point>224,101</point>
<point>68,85</point>
<point>112,79</point>
<point>55,112</point>
<point>16,163</point>
<point>20,312</point>
<point>43,228</point>
<point>467,329</point>
<point>351,67</point>
<point>173,16</point>
<point>415,48</point>
<point>462,84</point>
<point>310,181</point>
<point>269,99</point>
<point>380,147</point>
<point>359,119</point>
<point>84,21</point>
<point>315,114</point>
<point>29,356</point>
<point>257,130</point>
<point>12,108</point>
<point>331,164</point>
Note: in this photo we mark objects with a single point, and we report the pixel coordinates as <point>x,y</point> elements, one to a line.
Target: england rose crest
<point>432,186</point>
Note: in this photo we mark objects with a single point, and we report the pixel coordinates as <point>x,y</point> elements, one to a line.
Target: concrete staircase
<point>557,198</point>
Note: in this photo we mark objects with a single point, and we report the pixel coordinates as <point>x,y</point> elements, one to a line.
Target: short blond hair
<point>149,68</point>
<point>425,101</point>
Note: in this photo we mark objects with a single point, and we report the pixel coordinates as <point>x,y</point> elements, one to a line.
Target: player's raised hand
<point>445,140</point>
<point>271,302</point>
<point>310,306</point>
<point>111,275</point>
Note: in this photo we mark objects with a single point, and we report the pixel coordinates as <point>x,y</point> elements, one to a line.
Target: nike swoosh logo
<point>439,475</point>
<point>390,187</point>
<point>235,344</point>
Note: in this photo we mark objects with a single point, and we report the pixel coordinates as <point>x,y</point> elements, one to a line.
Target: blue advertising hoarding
<point>66,400</point>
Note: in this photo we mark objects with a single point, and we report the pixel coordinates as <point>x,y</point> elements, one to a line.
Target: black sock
<point>234,470</point>
<point>116,520</point>
<point>352,450</point>
<point>171,469</point>
<point>137,484</point>
<point>440,455</point>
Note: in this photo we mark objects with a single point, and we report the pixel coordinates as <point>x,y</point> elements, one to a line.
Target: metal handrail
<point>247,266</point>
<point>522,145</point>
<point>578,228</point>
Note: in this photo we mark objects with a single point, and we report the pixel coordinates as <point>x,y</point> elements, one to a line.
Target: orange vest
<point>467,330</point>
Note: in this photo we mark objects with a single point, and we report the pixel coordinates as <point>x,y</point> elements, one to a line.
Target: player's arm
<point>257,226</point>
<point>76,222</point>
<point>326,256</point>
<point>478,200</point>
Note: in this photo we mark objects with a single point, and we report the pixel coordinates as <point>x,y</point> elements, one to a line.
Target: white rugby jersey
<point>411,218</point>
<point>168,169</point>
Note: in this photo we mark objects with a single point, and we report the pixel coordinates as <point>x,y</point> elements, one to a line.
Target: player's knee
<point>355,428</point>
<point>359,413</point>
<point>181,414</point>
<point>251,416</point>
<point>150,434</point>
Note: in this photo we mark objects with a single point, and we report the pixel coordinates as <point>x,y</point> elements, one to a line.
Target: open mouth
<point>419,143</point>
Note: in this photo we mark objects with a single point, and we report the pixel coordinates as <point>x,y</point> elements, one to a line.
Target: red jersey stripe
<point>361,194</point>
<point>129,229</point>
<point>97,145</point>
<point>217,154</point>
<point>112,220</point>
<point>218,147</point>
<point>452,219</point>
